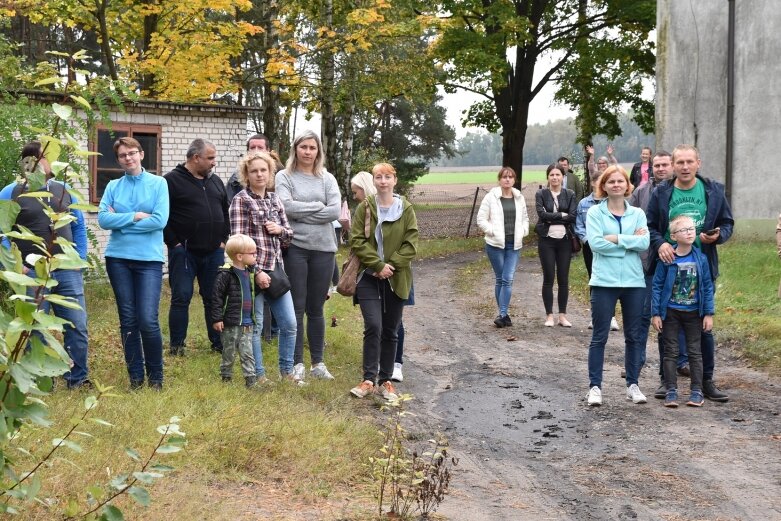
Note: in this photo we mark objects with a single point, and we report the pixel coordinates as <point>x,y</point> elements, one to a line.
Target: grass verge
<point>269,454</point>
<point>474,178</point>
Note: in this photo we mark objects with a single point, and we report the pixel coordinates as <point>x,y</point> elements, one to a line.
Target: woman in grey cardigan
<point>312,202</point>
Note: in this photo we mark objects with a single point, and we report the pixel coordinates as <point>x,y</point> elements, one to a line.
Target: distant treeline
<point>545,143</point>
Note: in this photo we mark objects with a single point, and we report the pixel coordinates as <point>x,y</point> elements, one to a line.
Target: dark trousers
<point>184,266</point>
<point>310,275</point>
<point>691,323</point>
<point>555,255</point>
<point>382,310</point>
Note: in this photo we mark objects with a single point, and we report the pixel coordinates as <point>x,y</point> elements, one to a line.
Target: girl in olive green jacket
<point>385,277</point>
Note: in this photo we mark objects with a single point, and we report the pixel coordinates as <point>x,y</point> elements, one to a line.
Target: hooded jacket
<point>664,279</point>
<point>490,218</point>
<point>198,217</point>
<point>718,215</point>
<point>616,265</point>
<point>399,238</point>
<point>227,298</point>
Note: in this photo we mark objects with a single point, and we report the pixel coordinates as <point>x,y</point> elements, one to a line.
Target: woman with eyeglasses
<point>256,211</point>
<point>135,209</point>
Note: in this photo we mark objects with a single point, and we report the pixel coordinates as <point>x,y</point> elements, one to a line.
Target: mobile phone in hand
<point>711,232</point>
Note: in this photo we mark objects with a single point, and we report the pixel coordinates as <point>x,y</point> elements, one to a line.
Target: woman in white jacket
<point>505,222</point>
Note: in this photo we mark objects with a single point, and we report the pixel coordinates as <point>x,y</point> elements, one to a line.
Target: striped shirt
<point>248,215</point>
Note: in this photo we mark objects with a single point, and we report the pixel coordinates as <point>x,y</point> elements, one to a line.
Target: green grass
<point>474,178</point>
<point>312,439</point>
<point>307,444</point>
<point>747,303</point>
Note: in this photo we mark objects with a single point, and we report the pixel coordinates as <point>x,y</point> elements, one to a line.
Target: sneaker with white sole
<point>614,324</point>
<point>633,393</point>
<point>320,371</point>
<point>594,396</point>
<point>387,391</point>
<point>298,372</point>
<point>397,376</point>
<point>363,389</point>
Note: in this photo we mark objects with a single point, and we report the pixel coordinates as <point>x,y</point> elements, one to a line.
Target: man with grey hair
<point>197,229</point>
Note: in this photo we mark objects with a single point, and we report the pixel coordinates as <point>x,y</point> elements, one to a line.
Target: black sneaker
<point>135,385</point>
<point>712,392</point>
<point>217,349</point>
<point>156,386</point>
<point>84,384</point>
<point>661,392</point>
<point>226,379</point>
<point>507,321</point>
<point>499,321</point>
<point>250,381</point>
<point>176,350</point>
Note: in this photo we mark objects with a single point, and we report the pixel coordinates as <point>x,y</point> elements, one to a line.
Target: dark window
<point>104,168</point>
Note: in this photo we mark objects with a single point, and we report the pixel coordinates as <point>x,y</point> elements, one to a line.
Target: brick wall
<point>226,129</point>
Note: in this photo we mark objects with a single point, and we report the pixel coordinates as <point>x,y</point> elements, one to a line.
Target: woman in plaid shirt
<point>258,212</point>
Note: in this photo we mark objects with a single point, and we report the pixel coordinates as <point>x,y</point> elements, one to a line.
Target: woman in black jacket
<point>557,210</point>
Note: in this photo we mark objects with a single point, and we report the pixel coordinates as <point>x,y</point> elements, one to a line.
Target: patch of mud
<point>530,447</point>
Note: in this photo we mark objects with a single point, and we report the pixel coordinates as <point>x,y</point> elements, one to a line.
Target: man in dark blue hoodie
<point>705,202</point>
<point>196,232</point>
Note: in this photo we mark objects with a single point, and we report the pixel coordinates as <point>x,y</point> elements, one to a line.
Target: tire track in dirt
<point>530,447</point>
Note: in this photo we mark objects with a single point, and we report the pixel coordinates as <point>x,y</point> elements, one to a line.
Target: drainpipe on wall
<point>730,144</point>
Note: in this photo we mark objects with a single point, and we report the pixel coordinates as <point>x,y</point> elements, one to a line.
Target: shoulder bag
<point>348,280</point>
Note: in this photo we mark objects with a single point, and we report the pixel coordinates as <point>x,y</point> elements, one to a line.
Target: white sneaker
<point>387,391</point>
<point>397,374</point>
<point>298,373</point>
<point>614,324</point>
<point>594,396</point>
<point>591,324</point>
<point>320,371</point>
<point>633,393</point>
<point>363,389</point>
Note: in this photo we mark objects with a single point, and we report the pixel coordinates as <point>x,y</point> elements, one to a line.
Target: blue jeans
<point>603,306</point>
<point>645,323</point>
<point>137,287</point>
<point>184,267</point>
<point>70,283</point>
<point>503,261</point>
<point>283,311</point>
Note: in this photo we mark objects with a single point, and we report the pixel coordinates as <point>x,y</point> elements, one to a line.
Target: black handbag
<point>280,284</point>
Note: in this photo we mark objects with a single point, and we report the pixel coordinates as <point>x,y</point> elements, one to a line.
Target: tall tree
<point>171,50</point>
<point>493,48</point>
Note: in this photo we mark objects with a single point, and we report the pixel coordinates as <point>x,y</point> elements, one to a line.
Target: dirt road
<point>529,446</point>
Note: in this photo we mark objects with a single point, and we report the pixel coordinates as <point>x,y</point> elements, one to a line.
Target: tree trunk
<point>328,122</point>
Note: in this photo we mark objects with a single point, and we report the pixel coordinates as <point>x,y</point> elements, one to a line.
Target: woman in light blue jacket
<point>135,209</point>
<point>505,222</point>
<point>617,233</point>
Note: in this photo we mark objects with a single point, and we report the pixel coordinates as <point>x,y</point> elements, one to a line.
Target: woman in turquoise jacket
<point>135,209</point>
<point>617,233</point>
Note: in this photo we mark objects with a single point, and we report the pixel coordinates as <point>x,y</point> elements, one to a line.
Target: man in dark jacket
<point>705,201</point>
<point>197,229</point>
<point>571,180</point>
<point>70,282</point>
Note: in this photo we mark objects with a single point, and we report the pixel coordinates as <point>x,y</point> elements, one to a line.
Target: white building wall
<point>691,104</point>
<point>179,127</point>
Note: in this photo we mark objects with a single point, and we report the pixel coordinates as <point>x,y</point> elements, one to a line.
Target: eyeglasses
<point>685,230</point>
<point>132,153</point>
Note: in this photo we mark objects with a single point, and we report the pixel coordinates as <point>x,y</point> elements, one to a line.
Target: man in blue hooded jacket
<point>705,202</point>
